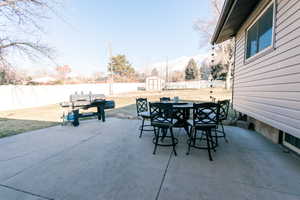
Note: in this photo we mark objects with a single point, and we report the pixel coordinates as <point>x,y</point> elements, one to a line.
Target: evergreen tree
<point>154,72</point>
<point>218,72</point>
<point>191,70</point>
<point>121,66</point>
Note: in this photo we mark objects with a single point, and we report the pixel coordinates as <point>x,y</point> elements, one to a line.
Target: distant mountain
<point>177,64</point>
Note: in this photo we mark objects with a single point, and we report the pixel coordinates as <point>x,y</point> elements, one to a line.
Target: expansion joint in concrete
<point>164,176</point>
<point>26,192</point>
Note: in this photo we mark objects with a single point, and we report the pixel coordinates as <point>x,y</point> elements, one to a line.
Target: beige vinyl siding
<point>268,86</point>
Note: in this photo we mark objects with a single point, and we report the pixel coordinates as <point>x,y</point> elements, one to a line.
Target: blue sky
<point>145,31</point>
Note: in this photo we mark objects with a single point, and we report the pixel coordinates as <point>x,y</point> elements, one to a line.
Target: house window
<point>260,34</point>
<point>292,142</point>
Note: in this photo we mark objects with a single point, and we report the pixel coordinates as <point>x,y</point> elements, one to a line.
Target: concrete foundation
<point>266,130</point>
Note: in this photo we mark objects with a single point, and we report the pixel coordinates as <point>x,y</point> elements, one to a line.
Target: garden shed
<point>154,83</point>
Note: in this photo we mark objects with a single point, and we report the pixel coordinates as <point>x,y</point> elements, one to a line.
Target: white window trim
<point>273,32</point>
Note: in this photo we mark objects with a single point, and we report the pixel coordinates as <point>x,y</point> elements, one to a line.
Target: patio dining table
<point>181,113</point>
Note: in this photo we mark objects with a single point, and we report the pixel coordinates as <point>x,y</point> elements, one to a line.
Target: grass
<point>10,127</point>
<point>23,120</point>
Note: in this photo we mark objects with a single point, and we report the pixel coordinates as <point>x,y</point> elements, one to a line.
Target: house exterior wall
<point>267,87</point>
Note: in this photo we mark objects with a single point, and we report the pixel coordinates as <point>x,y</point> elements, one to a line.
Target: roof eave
<point>222,19</point>
<point>233,15</point>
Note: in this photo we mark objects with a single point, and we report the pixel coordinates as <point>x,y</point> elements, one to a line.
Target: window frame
<point>257,18</point>
<point>289,145</point>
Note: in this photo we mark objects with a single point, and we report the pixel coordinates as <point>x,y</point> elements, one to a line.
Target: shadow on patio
<point>108,161</point>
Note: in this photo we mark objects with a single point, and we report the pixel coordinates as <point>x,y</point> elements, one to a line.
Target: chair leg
<point>216,136</point>
<point>154,130</point>
<point>190,140</point>
<point>164,134</point>
<point>212,140</point>
<point>207,133</point>
<point>156,140</point>
<point>194,137</point>
<point>223,130</point>
<point>173,142</point>
<point>186,128</point>
<point>142,128</point>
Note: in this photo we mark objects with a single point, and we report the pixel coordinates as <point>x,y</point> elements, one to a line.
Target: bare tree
<point>98,76</point>
<point>206,27</point>
<point>223,52</point>
<point>154,72</point>
<point>63,71</point>
<point>20,23</point>
<point>224,55</point>
<point>177,76</point>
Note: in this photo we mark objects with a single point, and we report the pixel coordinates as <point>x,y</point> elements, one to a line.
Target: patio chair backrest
<point>161,114</point>
<point>141,105</point>
<point>164,99</point>
<point>180,113</point>
<point>206,114</point>
<point>224,107</point>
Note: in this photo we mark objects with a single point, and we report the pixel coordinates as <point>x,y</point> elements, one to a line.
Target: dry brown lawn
<point>19,121</point>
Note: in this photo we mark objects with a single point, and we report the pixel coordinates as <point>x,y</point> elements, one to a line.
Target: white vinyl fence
<point>194,84</point>
<point>23,96</point>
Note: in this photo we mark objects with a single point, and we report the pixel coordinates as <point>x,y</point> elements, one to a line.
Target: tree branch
<point>23,16</point>
<point>13,3</point>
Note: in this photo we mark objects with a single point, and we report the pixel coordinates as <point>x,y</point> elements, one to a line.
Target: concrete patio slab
<point>263,166</point>
<point>180,186</point>
<point>108,161</point>
<point>10,193</point>
<point>23,151</point>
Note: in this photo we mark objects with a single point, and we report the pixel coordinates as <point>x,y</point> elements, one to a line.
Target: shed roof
<point>234,13</point>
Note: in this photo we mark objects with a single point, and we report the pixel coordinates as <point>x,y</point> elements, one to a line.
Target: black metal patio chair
<point>162,119</point>
<point>143,112</point>
<point>224,107</point>
<point>205,119</point>
<point>164,99</point>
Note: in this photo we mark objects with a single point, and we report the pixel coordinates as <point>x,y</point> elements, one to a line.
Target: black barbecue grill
<point>86,101</point>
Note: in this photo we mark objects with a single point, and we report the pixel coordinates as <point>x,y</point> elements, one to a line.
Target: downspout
<point>233,71</point>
